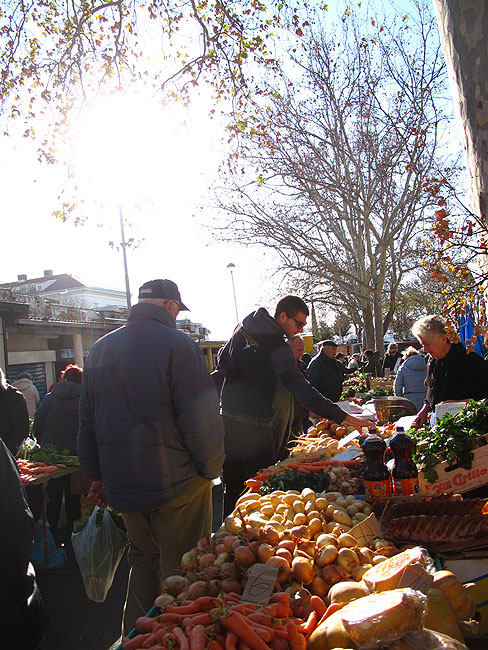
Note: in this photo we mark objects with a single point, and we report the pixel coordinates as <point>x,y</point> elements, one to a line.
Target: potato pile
<point>285,510</point>
<point>303,534</point>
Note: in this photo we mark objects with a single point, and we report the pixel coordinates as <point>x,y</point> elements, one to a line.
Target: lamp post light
<point>231,268</point>
<point>124,253</point>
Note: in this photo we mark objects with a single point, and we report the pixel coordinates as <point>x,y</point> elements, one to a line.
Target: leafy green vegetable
<point>292,479</point>
<point>49,454</point>
<point>452,439</point>
<point>116,517</point>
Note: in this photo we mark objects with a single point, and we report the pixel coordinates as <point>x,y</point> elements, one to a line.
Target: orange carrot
<point>202,604</point>
<point>330,610</point>
<point>214,645</point>
<point>145,624</point>
<point>136,642</point>
<point>283,610</point>
<point>181,638</point>
<point>278,644</point>
<point>236,623</point>
<point>280,597</point>
<point>230,641</point>
<point>198,640</point>
<point>243,646</point>
<point>296,641</point>
<point>318,605</point>
<point>311,623</point>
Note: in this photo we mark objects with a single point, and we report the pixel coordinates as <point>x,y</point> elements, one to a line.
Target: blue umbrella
<point>466,331</point>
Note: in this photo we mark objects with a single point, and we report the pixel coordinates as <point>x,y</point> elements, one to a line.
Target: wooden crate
<point>376,382</point>
<point>455,479</point>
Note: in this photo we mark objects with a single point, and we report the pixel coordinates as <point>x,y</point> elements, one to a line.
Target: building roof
<point>56,282</point>
<point>60,282</point>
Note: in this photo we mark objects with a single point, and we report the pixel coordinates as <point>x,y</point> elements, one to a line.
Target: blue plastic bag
<point>57,556</point>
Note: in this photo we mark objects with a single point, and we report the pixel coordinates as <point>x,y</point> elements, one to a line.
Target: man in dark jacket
<point>261,379</point>
<point>452,373</point>
<point>14,417</point>
<point>326,373</point>
<point>152,438</point>
<point>23,618</point>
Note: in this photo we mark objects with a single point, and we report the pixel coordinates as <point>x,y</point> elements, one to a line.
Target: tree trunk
<point>368,330</point>
<point>463,28</point>
<point>378,323</point>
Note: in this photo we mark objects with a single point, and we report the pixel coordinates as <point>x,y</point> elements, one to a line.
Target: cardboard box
<point>475,571</point>
<point>455,479</point>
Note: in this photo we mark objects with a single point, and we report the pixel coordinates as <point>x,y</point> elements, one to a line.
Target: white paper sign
<point>449,407</point>
<point>348,454</point>
<point>366,531</point>
<point>416,577</point>
<point>260,584</point>
<point>350,436</point>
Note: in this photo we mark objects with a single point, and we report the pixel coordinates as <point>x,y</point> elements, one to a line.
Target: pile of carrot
<point>30,470</point>
<point>227,624</point>
<point>311,463</point>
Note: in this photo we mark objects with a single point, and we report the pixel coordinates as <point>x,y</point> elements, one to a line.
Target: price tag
<point>366,531</point>
<point>350,436</point>
<point>416,577</point>
<point>260,584</point>
<point>349,454</point>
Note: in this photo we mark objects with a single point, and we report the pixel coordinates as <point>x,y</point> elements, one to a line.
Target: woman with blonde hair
<point>392,360</point>
<point>410,378</point>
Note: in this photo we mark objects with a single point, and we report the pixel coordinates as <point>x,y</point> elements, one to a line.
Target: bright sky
<point>168,156</point>
<point>168,160</point>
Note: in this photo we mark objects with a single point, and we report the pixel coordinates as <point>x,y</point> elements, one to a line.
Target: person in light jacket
<point>410,378</point>
<point>26,386</point>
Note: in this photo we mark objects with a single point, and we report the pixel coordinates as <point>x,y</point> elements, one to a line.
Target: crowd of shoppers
<point>150,428</point>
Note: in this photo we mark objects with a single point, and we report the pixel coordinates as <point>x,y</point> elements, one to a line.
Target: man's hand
<point>422,416</point>
<point>357,422</point>
<point>97,494</point>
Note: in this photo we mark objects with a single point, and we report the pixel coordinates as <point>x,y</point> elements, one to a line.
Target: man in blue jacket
<point>261,378</point>
<point>151,437</point>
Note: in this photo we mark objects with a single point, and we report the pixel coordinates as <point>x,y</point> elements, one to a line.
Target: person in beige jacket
<point>29,391</point>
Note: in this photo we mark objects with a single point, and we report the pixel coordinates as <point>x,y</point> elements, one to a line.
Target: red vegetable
<point>136,642</point>
<point>145,624</point>
<point>198,640</point>
<point>202,604</point>
<point>181,638</point>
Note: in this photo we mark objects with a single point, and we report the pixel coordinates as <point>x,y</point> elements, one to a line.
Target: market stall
<point>38,472</point>
<point>304,560</point>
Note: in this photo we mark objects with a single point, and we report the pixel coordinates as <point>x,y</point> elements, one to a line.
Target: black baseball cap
<point>329,342</point>
<point>162,289</point>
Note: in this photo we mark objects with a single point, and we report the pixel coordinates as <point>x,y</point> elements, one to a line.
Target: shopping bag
<point>56,555</point>
<point>98,550</point>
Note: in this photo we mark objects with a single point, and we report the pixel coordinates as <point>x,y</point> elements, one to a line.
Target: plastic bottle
<point>377,479</point>
<point>404,474</point>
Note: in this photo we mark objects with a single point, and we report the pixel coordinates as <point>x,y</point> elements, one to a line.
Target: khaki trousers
<point>158,539</point>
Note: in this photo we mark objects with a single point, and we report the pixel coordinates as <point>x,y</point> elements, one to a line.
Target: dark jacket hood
<point>262,322</point>
<point>66,390</point>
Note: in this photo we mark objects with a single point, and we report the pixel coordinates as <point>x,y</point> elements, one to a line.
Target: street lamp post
<point>124,253</point>
<point>231,268</point>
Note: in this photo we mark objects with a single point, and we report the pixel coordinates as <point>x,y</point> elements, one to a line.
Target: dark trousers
<point>55,489</point>
<point>249,446</point>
